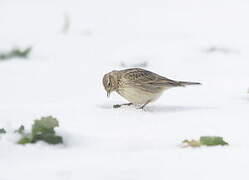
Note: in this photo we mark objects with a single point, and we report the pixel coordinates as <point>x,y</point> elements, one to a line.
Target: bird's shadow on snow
<point>162,108</point>
<point>168,109</point>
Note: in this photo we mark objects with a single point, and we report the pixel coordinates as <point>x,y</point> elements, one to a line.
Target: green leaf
<point>212,141</point>
<point>44,125</point>
<point>43,130</point>
<point>2,131</point>
<point>25,140</point>
<point>16,52</point>
<point>49,138</point>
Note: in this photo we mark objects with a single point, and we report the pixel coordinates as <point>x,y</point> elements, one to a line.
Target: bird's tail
<point>183,83</point>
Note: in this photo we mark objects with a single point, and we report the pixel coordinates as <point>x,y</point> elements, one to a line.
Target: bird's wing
<point>148,80</point>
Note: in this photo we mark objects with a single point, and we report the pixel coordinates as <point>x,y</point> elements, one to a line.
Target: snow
<point>63,78</point>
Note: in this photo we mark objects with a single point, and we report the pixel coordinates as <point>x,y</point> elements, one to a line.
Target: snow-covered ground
<point>194,40</point>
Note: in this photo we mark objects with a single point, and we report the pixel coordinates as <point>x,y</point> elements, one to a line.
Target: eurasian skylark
<point>138,86</point>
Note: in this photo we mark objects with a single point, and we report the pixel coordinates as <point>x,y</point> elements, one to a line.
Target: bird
<point>139,86</point>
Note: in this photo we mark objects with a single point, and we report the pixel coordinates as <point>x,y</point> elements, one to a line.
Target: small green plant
<point>15,52</point>
<point>212,141</point>
<point>205,141</point>
<point>2,131</point>
<point>42,130</point>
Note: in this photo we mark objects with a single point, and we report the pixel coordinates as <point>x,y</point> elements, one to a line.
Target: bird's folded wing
<point>149,81</point>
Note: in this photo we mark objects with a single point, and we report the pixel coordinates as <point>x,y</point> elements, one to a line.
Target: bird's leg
<point>119,105</point>
<point>142,107</point>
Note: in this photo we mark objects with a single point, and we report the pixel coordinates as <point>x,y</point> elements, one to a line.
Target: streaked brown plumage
<point>139,86</point>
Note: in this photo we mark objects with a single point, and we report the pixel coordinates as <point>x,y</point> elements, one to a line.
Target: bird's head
<point>110,82</point>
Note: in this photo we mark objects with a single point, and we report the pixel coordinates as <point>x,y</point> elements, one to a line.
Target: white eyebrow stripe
<point>108,80</point>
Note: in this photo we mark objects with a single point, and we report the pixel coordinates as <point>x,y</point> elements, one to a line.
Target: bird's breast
<point>138,96</point>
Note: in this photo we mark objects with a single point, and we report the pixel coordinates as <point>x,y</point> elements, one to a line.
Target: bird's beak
<point>108,94</point>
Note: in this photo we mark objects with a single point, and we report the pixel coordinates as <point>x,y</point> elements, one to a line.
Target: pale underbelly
<point>137,96</point>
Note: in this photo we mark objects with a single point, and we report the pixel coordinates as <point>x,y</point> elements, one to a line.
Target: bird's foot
<point>143,106</point>
<point>120,105</point>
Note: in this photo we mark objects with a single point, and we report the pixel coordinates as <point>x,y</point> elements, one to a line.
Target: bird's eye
<point>109,84</point>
